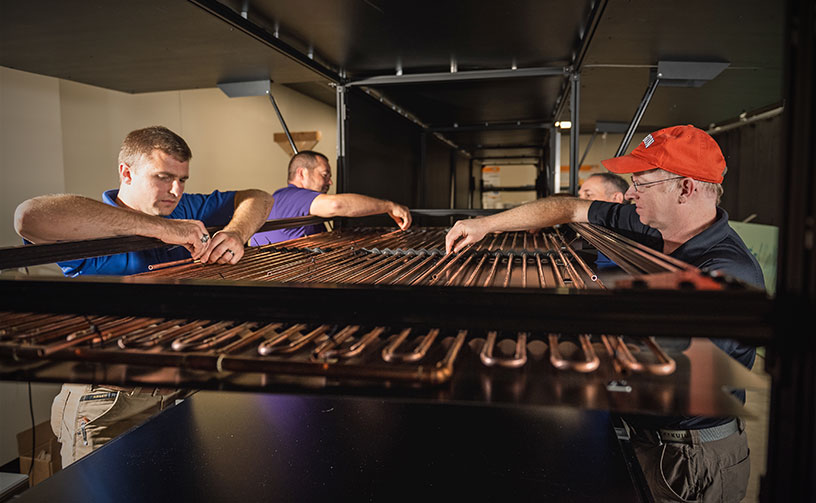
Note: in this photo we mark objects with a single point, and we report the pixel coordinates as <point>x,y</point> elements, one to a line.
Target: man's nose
<point>630,193</point>
<point>177,189</point>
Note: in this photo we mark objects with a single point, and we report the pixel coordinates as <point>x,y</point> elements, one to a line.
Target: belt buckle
<point>678,436</point>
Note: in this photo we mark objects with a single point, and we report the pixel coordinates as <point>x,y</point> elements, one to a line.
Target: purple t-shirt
<point>290,202</point>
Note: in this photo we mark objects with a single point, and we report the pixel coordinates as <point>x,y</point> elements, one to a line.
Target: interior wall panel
<point>382,153</point>
<point>753,157</point>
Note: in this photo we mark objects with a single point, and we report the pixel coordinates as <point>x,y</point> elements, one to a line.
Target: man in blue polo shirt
<point>607,187</point>
<point>309,178</point>
<point>153,168</point>
<point>676,186</point>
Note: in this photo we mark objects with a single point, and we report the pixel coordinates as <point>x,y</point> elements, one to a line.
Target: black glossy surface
<point>255,447</point>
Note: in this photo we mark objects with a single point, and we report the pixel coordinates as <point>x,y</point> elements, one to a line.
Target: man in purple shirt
<point>309,180</point>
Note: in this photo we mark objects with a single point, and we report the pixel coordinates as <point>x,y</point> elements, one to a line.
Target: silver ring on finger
<point>230,251</point>
<point>205,238</point>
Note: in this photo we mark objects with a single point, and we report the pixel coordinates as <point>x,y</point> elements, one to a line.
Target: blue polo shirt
<point>290,202</point>
<point>214,209</point>
<point>717,248</point>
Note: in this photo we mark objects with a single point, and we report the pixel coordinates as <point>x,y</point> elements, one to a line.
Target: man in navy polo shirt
<point>309,180</point>
<point>607,187</point>
<point>153,168</point>
<point>676,177</point>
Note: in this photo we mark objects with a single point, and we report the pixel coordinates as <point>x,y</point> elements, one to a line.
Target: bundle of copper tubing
<point>515,259</point>
<point>373,256</point>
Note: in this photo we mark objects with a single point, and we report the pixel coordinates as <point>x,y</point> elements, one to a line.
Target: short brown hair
<point>144,141</point>
<point>304,159</point>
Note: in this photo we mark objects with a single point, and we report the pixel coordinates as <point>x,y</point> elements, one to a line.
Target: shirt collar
<point>109,197</point>
<point>700,243</point>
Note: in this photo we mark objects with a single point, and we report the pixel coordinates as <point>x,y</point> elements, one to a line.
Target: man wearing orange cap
<point>676,177</point>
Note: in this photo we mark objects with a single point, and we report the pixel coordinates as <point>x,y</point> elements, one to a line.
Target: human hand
<point>190,234</point>
<point>401,215</point>
<point>225,247</point>
<point>464,233</point>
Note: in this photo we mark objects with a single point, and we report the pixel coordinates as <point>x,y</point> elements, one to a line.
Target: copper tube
<point>405,265</point>
<point>328,345</point>
<point>577,281</point>
<point>297,343</point>
<point>249,338</point>
<point>665,366</point>
<point>588,364</point>
<point>394,263</point>
<point>492,273</point>
<point>413,270</point>
<point>32,324</point>
<point>44,327</point>
<point>591,275</point>
<point>230,335</point>
<point>168,334</point>
<point>164,265</point>
<point>389,352</point>
<point>357,348</point>
<point>516,361</point>
<point>447,258</point>
<point>187,341</point>
<point>126,340</point>
<point>266,347</point>
<point>611,351</point>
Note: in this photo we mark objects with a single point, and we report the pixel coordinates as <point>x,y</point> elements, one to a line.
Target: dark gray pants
<point>695,471</point>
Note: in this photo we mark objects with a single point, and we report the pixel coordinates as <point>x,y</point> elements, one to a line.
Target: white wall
<point>60,136</point>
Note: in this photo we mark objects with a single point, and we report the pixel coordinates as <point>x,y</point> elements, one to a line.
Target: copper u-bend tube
<point>665,366</point>
<point>389,352</point>
<point>249,338</point>
<point>268,346</point>
<point>588,364</point>
<point>189,340</point>
<point>322,351</point>
<point>353,350</point>
<point>516,361</point>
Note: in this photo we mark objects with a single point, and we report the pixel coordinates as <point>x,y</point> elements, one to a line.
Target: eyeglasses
<point>639,186</point>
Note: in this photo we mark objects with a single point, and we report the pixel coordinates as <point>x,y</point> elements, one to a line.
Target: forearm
<point>252,208</point>
<point>542,213</point>
<point>349,205</point>
<point>61,217</point>
<point>538,214</point>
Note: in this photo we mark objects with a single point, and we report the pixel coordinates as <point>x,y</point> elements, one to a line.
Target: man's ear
<point>125,173</point>
<point>687,186</point>
<point>617,197</point>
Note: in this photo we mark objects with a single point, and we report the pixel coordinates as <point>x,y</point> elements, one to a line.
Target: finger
<point>462,244</point>
<point>195,246</point>
<point>451,238</point>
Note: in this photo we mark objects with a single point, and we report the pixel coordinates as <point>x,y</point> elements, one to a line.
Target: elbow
<point>24,217</point>
<point>269,201</point>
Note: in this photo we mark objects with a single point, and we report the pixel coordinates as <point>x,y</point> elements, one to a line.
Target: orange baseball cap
<point>682,150</point>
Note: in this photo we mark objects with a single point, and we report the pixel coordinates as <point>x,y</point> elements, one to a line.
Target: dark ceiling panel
<point>465,103</point>
<point>149,45</point>
<point>471,141</point>
<point>613,94</point>
<point>634,35</point>
<point>370,36</point>
<point>154,45</point>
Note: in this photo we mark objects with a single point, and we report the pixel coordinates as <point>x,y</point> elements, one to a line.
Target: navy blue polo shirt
<point>213,210</point>
<point>717,248</point>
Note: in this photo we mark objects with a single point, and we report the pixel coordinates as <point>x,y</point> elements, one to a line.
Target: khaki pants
<point>86,417</point>
<point>696,471</point>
